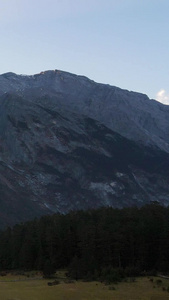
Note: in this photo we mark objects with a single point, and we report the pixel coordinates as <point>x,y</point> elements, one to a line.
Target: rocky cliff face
<point>60,147</point>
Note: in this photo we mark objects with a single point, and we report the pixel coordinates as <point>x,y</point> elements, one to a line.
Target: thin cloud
<point>162,97</point>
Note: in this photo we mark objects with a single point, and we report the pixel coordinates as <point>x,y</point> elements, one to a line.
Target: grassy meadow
<point>37,289</point>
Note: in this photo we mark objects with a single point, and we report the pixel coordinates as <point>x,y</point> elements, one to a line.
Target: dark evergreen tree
<point>92,244</point>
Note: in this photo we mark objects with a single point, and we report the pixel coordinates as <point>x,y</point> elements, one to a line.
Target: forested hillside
<point>91,244</point>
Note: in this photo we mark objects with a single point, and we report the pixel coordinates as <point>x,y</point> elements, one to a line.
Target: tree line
<point>93,244</point>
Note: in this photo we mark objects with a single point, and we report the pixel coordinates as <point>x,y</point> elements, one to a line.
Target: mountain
<point>68,143</point>
<point>133,115</point>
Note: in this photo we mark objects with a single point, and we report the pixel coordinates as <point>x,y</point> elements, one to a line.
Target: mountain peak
<point>131,114</point>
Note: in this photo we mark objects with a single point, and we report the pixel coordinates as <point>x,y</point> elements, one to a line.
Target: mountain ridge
<point>146,120</point>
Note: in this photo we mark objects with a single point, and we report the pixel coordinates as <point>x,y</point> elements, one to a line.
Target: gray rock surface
<point>59,152</point>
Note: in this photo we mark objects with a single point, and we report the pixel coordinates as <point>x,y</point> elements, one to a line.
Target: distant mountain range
<point>68,143</point>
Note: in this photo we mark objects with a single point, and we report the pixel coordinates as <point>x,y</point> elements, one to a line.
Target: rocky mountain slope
<point>133,115</point>
<point>60,147</point>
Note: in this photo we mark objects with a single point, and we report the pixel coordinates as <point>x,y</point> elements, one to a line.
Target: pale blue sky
<point>121,42</point>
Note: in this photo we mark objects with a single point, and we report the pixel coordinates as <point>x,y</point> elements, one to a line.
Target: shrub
<point>3,274</point>
<point>132,271</point>
<point>48,269</point>
<point>158,281</point>
<point>132,279</point>
<point>112,275</point>
<point>112,288</point>
<point>56,282</point>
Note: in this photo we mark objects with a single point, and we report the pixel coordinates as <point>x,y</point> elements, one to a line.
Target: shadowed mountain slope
<point>68,143</point>
<point>55,160</point>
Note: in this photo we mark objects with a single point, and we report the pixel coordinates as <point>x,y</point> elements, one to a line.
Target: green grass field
<point>142,289</point>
